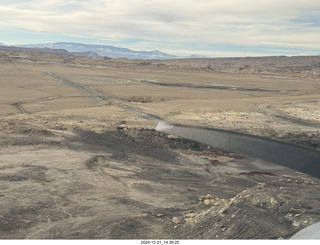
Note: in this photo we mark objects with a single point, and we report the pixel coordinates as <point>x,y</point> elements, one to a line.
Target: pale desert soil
<point>80,157</point>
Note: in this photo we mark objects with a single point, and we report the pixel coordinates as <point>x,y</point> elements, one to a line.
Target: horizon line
<point>176,56</point>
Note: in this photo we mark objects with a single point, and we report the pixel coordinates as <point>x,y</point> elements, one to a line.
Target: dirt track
<point>80,158</point>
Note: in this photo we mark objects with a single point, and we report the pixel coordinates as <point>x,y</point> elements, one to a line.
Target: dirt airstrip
<point>80,157</point>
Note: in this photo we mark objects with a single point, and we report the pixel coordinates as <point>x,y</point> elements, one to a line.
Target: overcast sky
<point>208,27</point>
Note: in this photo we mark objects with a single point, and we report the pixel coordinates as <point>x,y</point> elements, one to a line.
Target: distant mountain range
<point>60,52</point>
<point>102,50</point>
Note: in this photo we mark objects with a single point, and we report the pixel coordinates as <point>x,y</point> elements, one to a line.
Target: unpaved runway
<point>80,159</point>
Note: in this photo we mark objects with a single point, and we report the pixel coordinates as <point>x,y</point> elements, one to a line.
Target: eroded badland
<point>80,157</point>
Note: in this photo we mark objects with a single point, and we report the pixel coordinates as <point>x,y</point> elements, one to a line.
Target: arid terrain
<point>80,157</point>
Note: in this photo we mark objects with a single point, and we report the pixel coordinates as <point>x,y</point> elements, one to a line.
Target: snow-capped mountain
<point>103,50</point>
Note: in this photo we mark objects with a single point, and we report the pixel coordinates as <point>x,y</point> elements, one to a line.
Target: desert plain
<point>80,157</point>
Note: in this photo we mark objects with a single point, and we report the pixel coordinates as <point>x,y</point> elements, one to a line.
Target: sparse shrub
<point>139,99</point>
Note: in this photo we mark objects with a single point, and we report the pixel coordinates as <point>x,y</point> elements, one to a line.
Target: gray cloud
<point>279,23</point>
